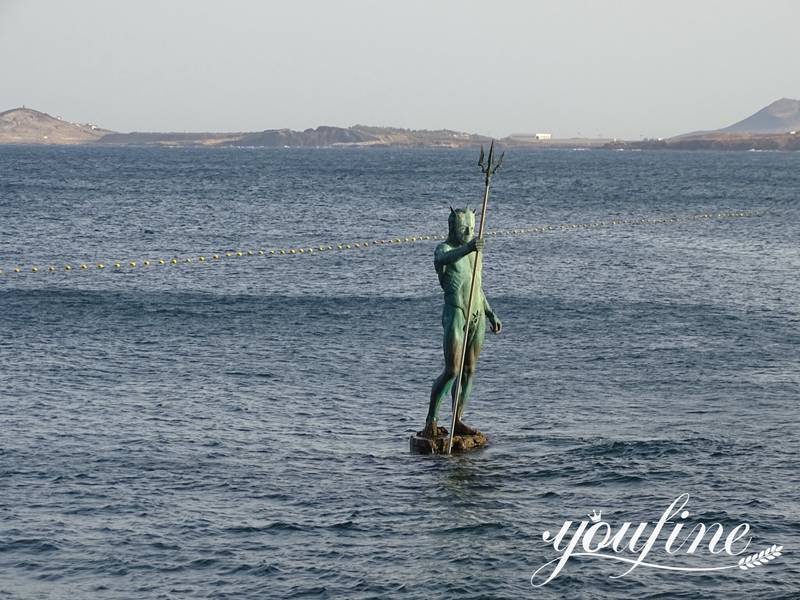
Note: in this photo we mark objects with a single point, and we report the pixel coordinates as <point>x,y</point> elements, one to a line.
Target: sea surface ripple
<point>239,429</point>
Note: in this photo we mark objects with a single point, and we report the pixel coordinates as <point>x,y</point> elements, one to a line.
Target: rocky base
<point>421,444</point>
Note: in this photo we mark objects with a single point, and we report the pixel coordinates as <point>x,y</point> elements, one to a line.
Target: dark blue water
<point>239,428</point>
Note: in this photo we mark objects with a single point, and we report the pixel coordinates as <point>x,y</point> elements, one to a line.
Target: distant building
<point>543,136</point>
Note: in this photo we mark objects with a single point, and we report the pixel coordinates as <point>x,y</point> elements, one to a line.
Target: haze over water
<point>239,429</point>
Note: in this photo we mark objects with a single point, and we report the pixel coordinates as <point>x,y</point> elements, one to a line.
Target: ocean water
<point>238,428</point>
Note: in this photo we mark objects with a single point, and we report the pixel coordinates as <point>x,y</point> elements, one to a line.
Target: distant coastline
<point>774,127</point>
<point>716,141</point>
<point>28,126</point>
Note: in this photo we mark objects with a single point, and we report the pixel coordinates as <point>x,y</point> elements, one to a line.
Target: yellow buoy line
<point>361,245</point>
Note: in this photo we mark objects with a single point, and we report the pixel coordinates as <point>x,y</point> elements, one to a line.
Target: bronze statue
<point>458,264</point>
<point>454,260</point>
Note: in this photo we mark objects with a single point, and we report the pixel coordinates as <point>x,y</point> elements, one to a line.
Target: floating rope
<point>309,250</point>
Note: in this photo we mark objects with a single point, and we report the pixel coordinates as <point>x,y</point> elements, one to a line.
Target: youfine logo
<point>655,545</point>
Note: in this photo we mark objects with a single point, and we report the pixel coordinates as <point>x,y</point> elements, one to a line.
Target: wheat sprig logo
<point>760,558</point>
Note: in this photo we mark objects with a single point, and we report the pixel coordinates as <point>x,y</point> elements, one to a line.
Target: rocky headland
<point>28,126</point>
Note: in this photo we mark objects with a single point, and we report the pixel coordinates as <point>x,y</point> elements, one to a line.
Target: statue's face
<point>463,226</point>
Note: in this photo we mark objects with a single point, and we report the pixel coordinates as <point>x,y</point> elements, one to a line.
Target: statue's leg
<point>475,343</point>
<point>453,321</point>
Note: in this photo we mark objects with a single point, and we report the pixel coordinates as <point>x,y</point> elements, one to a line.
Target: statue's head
<point>461,225</point>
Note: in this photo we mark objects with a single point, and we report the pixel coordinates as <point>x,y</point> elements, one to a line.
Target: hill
<point>28,126</point>
<point>781,116</point>
<point>321,137</point>
<point>359,135</point>
<point>774,127</point>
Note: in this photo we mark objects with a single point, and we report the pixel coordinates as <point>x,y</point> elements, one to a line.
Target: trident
<point>488,169</point>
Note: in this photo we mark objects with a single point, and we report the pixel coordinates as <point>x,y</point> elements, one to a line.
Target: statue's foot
<point>432,430</point>
<point>463,429</point>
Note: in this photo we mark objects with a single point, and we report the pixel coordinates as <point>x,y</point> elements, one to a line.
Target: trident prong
<point>490,166</point>
<point>499,162</point>
<point>485,168</point>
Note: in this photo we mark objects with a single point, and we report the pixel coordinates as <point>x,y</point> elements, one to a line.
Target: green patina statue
<point>454,260</point>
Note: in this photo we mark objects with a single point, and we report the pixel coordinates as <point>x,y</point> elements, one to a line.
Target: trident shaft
<point>488,168</point>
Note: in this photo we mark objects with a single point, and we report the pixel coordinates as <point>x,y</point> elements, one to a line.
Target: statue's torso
<point>455,280</point>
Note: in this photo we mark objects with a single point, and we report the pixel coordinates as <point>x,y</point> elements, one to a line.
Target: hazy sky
<point>617,68</point>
